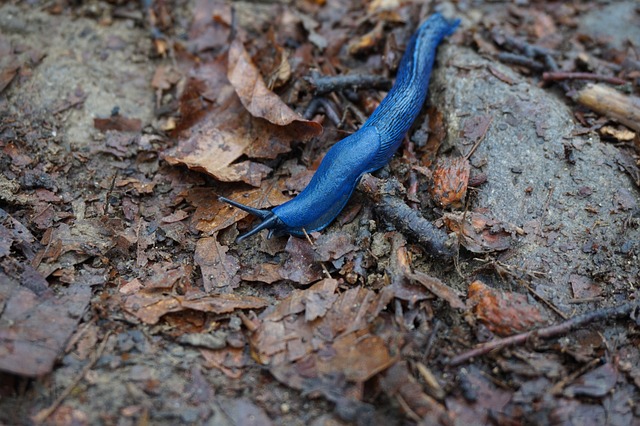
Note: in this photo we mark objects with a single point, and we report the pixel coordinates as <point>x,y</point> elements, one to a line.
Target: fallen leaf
<point>300,266</point>
<point>368,41</point>
<point>212,215</point>
<point>216,129</point>
<point>261,102</point>
<point>333,245</point>
<point>219,270</point>
<point>263,272</point>
<point>438,288</point>
<point>36,326</point>
<point>150,306</point>
<point>358,356</point>
<point>398,382</point>
<point>504,313</point>
<point>317,332</point>
<point>478,233</point>
<point>594,384</point>
<point>176,216</point>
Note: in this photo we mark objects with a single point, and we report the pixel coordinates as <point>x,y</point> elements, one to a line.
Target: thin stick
<point>557,388</point>
<point>564,75</point>
<point>546,332</point>
<point>479,141</point>
<point>551,306</point>
<point>325,84</point>
<point>42,416</point>
<point>611,103</point>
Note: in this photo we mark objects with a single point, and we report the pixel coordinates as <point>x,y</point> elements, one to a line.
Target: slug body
<point>365,151</point>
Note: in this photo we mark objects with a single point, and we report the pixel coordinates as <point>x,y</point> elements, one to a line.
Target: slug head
<point>268,220</point>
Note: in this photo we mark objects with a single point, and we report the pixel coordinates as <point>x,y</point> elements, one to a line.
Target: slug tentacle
<point>269,220</point>
<point>365,151</point>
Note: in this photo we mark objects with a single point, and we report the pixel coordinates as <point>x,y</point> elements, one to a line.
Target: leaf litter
<point>157,246</point>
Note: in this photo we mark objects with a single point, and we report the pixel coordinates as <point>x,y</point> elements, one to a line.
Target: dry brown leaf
<point>368,41</point>
<point>478,233</point>
<point>118,123</point>
<point>258,99</point>
<point>216,129</point>
<point>504,313</point>
<point>150,306</point>
<point>36,325</point>
<point>264,272</point>
<point>318,331</point>
<point>300,266</point>
<point>358,356</point>
<point>398,382</point>
<point>219,270</point>
<point>333,245</point>
<point>438,288</point>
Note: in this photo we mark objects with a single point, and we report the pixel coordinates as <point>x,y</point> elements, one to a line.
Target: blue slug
<point>366,150</point>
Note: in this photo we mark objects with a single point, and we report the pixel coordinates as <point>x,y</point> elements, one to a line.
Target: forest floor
<point>508,296</point>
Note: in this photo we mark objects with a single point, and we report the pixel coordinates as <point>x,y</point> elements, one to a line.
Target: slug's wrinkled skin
<point>367,150</point>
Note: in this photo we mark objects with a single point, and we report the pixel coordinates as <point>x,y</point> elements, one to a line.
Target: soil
<point>124,298</point>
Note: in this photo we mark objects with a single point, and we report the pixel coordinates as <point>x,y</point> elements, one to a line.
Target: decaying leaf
<point>504,313</point>
<point>36,325</point>
<point>437,287</point>
<point>261,102</point>
<point>478,233</point>
<point>150,306</point>
<point>398,383</point>
<point>594,384</point>
<point>402,275</point>
<point>219,270</point>
<point>300,266</point>
<point>317,332</point>
<point>216,129</point>
<point>118,123</point>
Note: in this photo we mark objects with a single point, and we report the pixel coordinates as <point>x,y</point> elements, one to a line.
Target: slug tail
<point>269,220</point>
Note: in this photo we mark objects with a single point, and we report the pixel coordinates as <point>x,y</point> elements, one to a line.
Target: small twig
<point>324,105</point>
<point>405,219</point>
<point>325,84</point>
<point>546,332</point>
<point>437,325</point>
<point>550,305</point>
<point>565,75</point>
<point>611,103</point>
<point>557,388</point>
<point>517,59</point>
<point>529,53</point>
<point>109,192</point>
<point>42,416</point>
<point>479,140</point>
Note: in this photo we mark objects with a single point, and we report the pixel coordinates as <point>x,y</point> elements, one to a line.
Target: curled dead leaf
<point>504,313</point>
<point>479,233</point>
<point>258,99</point>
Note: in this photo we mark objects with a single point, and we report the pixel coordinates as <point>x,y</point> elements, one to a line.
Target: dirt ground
<point>488,275</point>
